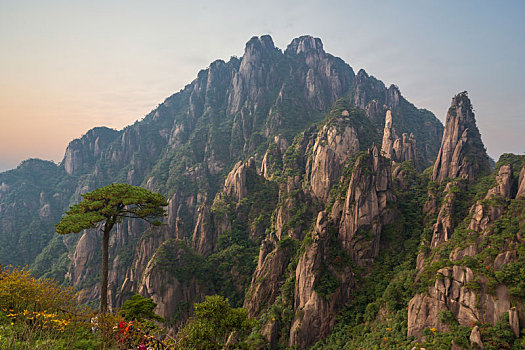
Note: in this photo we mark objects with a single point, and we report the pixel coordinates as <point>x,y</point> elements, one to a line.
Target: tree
<point>103,208</point>
<point>216,325</point>
<point>140,307</point>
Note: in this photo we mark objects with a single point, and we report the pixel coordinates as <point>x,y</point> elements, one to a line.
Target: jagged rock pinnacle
<point>462,153</point>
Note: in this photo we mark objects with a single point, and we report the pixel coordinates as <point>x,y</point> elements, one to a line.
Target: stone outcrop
<point>399,149</point>
<point>166,282</point>
<point>291,195</point>
<point>315,314</point>
<point>444,226</point>
<point>268,277</point>
<point>484,215</point>
<point>475,339</point>
<point>468,296</point>
<point>453,292</point>
<point>204,238</point>
<point>365,208</point>
<point>325,74</point>
<point>83,264</point>
<point>275,254</point>
<point>334,144</point>
<point>272,160</point>
<point>235,186</point>
<point>521,184</point>
<point>514,322</point>
<point>83,152</point>
<point>462,153</point>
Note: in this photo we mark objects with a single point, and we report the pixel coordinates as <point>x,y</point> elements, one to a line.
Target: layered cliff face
<point>320,288</point>
<point>365,208</point>
<point>336,142</point>
<point>521,184</point>
<point>462,153</point>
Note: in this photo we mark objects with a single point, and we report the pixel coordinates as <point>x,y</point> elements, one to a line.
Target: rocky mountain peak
<point>257,45</point>
<point>362,74</point>
<point>462,153</point>
<point>81,153</point>
<point>305,44</point>
<point>392,96</point>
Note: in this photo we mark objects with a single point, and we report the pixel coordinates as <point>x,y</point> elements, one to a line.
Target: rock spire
<point>462,153</point>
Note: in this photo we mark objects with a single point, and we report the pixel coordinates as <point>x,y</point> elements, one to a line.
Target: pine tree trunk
<point>104,280</point>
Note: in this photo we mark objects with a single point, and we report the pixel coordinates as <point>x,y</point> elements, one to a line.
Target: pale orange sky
<point>68,66</point>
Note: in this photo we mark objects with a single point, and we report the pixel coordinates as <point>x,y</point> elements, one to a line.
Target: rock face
<point>451,292</point>
<point>484,215</point>
<point>521,184</point>
<point>204,239</point>
<point>469,295</point>
<point>277,249</point>
<point>359,229</point>
<point>173,293</point>
<point>235,185</point>
<point>365,208</point>
<point>82,153</point>
<point>268,277</point>
<point>462,153</point>
<point>475,339</point>
<point>333,146</point>
<point>399,149</point>
<point>444,226</point>
<point>314,313</point>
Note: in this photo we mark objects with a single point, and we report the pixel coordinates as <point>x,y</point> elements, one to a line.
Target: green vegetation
<point>214,324</point>
<point>39,314</point>
<point>140,308</point>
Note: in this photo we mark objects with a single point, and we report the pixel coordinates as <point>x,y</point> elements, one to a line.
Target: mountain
<point>281,200</point>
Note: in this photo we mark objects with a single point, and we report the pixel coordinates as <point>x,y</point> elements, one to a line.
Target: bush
<point>140,307</point>
<point>40,314</point>
<point>213,323</point>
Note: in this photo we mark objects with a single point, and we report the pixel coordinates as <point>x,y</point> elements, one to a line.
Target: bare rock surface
<point>452,291</point>
<point>462,153</point>
<point>484,215</point>
<point>521,184</point>
<point>444,226</point>
<point>315,314</point>
<point>399,149</point>
<point>332,148</point>
<point>365,208</point>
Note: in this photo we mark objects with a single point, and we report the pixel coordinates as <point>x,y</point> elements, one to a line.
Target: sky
<point>68,66</point>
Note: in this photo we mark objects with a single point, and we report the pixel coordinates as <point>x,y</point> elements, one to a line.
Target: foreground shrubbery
<point>216,325</point>
<point>39,314</point>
